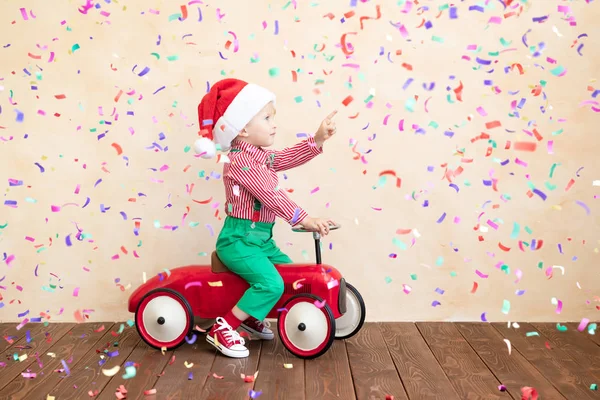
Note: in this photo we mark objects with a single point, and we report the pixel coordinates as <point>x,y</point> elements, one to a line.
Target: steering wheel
<point>331,228</point>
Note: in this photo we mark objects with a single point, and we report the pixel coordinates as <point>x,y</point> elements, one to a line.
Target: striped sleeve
<point>296,155</point>
<point>262,184</point>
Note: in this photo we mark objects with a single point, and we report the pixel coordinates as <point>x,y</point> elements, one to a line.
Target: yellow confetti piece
<point>48,397</point>
<point>508,345</point>
<point>112,371</point>
<point>163,350</point>
<point>288,366</point>
<point>190,365</point>
<point>23,357</point>
<point>51,355</point>
<point>215,284</point>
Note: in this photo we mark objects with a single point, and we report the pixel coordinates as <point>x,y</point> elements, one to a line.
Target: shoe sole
<point>263,336</point>
<point>227,352</point>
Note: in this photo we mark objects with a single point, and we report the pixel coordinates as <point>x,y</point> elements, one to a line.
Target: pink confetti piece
<point>76,292</point>
<point>481,274</point>
<point>583,324</point>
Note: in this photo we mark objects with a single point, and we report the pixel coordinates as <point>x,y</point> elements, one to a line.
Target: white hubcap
<point>168,311</point>
<point>349,321</point>
<point>314,322</point>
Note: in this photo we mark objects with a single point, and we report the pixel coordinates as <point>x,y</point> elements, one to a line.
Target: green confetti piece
<point>529,334</point>
<point>593,386</point>
<point>453,274</point>
<point>443,7</point>
<point>121,329</point>
<point>467,183</point>
<point>173,58</point>
<point>203,254</point>
<point>305,254</point>
<point>362,77</point>
<point>187,148</point>
<point>506,269</point>
<point>194,224</point>
<point>434,124</point>
<point>368,99</point>
<point>557,71</point>
<point>561,328</point>
<point>157,224</point>
<point>504,42</point>
<point>254,60</point>
<point>515,231</point>
<point>540,265</point>
<point>439,261</point>
<point>75,47</point>
<point>298,99</point>
<point>130,322</point>
<point>173,17</point>
<point>410,104</point>
<point>592,328</point>
<point>413,277</point>
<point>273,72</point>
<point>388,279</point>
<point>505,307</point>
<point>139,244</point>
<point>528,230</point>
<point>437,39</point>
<point>552,169</point>
<point>549,186</point>
<point>155,55</point>
<point>399,243</point>
<point>543,83</point>
<point>531,185</point>
<point>4,226</point>
<point>558,132</point>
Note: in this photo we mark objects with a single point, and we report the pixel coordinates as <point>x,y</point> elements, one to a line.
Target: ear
<point>243,133</point>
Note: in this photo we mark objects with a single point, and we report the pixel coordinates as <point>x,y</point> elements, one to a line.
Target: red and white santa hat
<point>225,110</point>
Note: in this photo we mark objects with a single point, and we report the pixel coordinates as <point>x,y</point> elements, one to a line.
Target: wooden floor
<point>437,360</point>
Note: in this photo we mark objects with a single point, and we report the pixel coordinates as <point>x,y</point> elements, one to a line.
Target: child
<point>239,117</point>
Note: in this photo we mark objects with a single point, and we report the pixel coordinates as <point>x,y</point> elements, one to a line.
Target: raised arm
<point>296,155</point>
<point>258,181</point>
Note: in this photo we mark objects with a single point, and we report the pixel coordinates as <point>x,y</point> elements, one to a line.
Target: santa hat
<point>225,110</point>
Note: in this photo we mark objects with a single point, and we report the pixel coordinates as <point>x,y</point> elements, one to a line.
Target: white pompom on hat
<point>225,110</point>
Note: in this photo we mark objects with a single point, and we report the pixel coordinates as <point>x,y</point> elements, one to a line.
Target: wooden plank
<point>232,386</point>
<point>41,341</point>
<point>10,334</point>
<point>420,372</point>
<point>275,381</point>
<point>584,352</point>
<point>174,384</point>
<point>329,377</point>
<point>513,370</point>
<point>373,370</point>
<point>594,338</point>
<point>87,374</point>
<point>151,363</point>
<point>467,373</point>
<point>71,346</point>
<point>570,378</point>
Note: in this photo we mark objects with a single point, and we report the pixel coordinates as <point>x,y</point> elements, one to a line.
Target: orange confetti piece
<point>393,173</point>
<point>34,56</point>
<point>343,43</point>
<point>458,91</point>
<point>475,286</point>
<point>60,96</point>
<point>519,67</point>
<point>571,182</point>
<point>118,148</point>
<point>184,12</point>
<point>118,96</point>
<point>524,146</point>
<point>537,135</point>
<point>378,8</point>
<point>347,100</point>
<point>503,247</point>
<point>492,124</point>
<point>203,201</point>
<point>403,231</point>
<point>407,66</point>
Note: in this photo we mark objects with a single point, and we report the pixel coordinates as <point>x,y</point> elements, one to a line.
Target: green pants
<point>250,252</point>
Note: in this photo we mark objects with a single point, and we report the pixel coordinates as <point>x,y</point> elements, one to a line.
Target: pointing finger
<point>330,116</point>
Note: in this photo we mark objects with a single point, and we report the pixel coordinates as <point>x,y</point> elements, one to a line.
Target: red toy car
<point>317,305</point>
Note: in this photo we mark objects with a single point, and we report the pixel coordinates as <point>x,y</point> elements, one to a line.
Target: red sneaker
<point>258,328</point>
<point>226,340</point>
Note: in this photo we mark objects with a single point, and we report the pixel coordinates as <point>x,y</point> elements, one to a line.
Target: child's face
<point>261,130</point>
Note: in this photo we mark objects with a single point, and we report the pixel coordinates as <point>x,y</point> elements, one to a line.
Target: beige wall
<point>67,147</point>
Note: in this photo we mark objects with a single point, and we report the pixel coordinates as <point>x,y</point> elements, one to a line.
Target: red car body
<point>211,295</point>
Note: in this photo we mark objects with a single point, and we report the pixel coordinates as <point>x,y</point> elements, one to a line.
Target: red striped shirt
<point>252,174</point>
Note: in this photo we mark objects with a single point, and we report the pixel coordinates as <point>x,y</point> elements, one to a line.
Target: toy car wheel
<point>164,318</point>
<point>305,327</point>
<point>350,323</point>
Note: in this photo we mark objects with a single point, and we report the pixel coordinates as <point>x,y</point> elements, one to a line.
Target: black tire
<point>185,304</point>
<point>363,312</point>
<point>329,316</point>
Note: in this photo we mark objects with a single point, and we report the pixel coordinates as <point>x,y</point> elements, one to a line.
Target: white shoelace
<point>230,334</point>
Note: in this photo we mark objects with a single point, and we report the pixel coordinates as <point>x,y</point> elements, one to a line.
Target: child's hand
<point>320,225</point>
<point>326,130</point>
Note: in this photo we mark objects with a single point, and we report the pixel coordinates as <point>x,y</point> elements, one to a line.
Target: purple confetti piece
<point>123,215</point>
<point>192,340</point>
<point>520,292</point>
<point>436,303</point>
<point>483,317</point>
<point>190,376</point>
<point>254,394</point>
<point>87,201</point>
<point>440,219</point>
<point>28,336</point>
<point>42,170</point>
<point>452,185</point>
<point>68,240</point>
<point>540,193</point>
<point>144,71</point>
<point>440,291</point>
<point>66,367</point>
